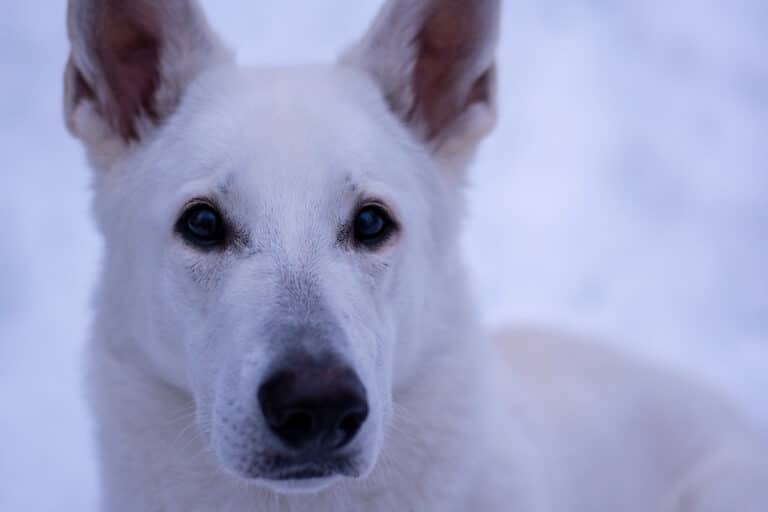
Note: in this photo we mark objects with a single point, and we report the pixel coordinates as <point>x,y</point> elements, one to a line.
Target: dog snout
<point>314,407</point>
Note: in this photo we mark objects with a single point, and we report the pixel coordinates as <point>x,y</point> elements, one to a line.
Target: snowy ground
<point>624,194</point>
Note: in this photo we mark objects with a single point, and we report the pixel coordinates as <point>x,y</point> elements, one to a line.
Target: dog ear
<point>434,61</point>
<point>130,61</point>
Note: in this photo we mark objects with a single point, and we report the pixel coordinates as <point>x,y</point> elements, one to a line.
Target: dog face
<point>268,231</point>
<point>283,252</point>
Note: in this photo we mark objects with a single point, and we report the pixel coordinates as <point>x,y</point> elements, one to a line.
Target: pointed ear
<point>434,61</point>
<point>130,61</point>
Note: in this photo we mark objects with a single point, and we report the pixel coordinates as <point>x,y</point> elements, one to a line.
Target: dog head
<point>277,238</point>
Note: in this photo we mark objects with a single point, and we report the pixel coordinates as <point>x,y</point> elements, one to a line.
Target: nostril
<point>350,423</point>
<point>298,422</point>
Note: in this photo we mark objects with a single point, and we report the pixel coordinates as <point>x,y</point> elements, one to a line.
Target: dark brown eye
<point>202,226</point>
<point>372,226</point>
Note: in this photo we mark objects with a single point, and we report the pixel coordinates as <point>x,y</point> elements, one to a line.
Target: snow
<point>624,194</point>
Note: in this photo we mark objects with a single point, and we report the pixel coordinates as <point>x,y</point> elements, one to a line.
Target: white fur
<point>522,422</point>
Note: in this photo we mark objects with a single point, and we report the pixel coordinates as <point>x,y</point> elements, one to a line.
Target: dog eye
<point>372,226</point>
<point>202,225</point>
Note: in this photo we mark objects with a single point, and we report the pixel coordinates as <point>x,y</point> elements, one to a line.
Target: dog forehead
<point>313,131</point>
<point>289,114</point>
<point>308,127</point>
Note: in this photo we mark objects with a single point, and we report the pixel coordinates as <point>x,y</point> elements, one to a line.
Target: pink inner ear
<point>129,53</point>
<point>445,81</point>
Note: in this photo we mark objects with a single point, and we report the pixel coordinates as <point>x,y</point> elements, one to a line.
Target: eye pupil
<point>372,225</point>
<point>369,223</point>
<point>201,225</point>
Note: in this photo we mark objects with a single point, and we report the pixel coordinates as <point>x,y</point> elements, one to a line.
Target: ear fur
<point>130,61</point>
<point>434,62</point>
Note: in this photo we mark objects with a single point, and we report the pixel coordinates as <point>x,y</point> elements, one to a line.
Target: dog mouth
<point>304,473</point>
<point>297,477</point>
<point>283,468</point>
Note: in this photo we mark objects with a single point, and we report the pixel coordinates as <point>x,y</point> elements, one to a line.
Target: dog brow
<point>227,185</point>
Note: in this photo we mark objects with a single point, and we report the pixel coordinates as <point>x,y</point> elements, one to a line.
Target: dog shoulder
<point>568,371</point>
<point>609,412</point>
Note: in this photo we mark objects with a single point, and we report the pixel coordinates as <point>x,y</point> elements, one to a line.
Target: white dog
<point>283,320</point>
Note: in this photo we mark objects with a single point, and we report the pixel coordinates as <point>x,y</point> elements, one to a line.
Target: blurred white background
<point>624,194</point>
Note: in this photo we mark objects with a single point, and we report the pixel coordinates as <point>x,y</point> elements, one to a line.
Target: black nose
<point>313,406</point>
